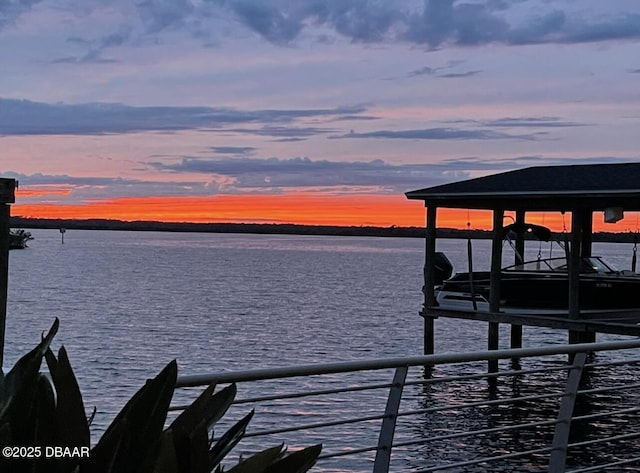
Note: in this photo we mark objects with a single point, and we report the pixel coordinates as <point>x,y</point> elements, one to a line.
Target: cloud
<point>159,15</point>
<point>87,188</point>
<point>283,132</point>
<point>23,117</point>
<point>423,71</point>
<point>276,173</point>
<point>242,150</point>
<point>471,164</point>
<point>438,134</point>
<point>457,75</point>
<point>10,10</point>
<point>434,24</point>
<point>445,22</point>
<point>524,122</point>
<point>438,71</point>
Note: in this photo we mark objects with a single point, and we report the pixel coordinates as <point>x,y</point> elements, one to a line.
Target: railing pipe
<point>588,469</point>
<point>384,363</point>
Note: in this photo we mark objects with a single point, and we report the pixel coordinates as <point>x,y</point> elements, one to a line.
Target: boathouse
<point>578,190</point>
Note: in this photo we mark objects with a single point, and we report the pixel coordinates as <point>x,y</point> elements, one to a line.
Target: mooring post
<point>429,280</point>
<point>7,196</point>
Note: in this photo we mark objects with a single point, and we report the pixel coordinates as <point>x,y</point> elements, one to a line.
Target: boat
<point>18,239</point>
<point>540,286</point>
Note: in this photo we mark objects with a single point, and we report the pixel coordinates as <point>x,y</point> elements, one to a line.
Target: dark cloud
<point>527,122</point>
<point>23,117</point>
<point>457,75</point>
<point>242,150</point>
<point>109,187</point>
<point>436,24</point>
<point>289,140</point>
<point>471,164</point>
<point>432,23</point>
<point>258,175</point>
<point>423,71</point>
<point>10,10</point>
<point>250,173</point>
<point>159,15</point>
<point>275,25</point>
<point>439,71</point>
<point>438,134</point>
<point>284,132</point>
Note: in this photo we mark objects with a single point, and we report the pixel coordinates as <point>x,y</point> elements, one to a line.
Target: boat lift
<point>579,190</point>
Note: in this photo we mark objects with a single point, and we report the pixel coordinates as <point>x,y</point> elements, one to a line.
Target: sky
<point>305,111</point>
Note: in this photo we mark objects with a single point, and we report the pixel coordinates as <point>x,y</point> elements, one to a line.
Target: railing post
<point>558,456</point>
<point>388,428</point>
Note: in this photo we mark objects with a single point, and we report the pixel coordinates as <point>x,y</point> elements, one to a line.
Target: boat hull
<point>542,293</point>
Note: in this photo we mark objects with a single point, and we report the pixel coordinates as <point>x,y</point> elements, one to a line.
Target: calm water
<point>129,302</point>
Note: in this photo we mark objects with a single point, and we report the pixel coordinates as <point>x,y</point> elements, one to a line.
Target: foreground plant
<point>43,426</point>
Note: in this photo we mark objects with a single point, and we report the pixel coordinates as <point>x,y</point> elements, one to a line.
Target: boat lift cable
<point>470,262</point>
<point>567,248</point>
<point>635,247</point>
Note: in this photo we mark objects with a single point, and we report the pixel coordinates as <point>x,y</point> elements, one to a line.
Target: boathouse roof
<point>544,188</point>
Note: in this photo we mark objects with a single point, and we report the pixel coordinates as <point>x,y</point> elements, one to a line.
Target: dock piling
<point>7,196</point>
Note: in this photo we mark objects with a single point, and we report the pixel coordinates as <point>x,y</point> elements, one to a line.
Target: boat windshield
<point>598,265</point>
<point>588,265</point>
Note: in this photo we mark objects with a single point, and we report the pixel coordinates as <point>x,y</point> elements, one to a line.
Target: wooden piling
<point>494,292</point>
<point>7,196</point>
<point>4,273</point>
<point>429,280</point>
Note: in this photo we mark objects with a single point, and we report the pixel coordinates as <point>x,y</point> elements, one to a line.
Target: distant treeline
<point>277,228</point>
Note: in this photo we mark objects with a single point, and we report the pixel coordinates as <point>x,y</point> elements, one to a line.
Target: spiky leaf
<point>107,454</point>
<point>145,413</point>
<point>20,387</point>
<point>229,440</point>
<point>198,417</point>
<point>73,428</point>
<point>260,461</point>
<point>296,462</point>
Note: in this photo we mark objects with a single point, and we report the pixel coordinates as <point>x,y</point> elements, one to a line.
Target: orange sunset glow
<point>296,208</point>
<point>303,208</point>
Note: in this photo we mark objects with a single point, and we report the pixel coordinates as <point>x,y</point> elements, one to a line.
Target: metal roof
<point>549,188</point>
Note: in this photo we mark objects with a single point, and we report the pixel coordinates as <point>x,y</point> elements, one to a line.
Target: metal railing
<point>447,413</point>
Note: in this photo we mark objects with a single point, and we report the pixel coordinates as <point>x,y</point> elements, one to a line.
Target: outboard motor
<point>443,267</point>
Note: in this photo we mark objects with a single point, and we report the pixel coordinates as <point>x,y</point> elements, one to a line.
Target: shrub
<point>37,412</point>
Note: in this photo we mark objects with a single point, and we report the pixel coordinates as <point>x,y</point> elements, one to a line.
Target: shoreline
<point>279,229</point>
